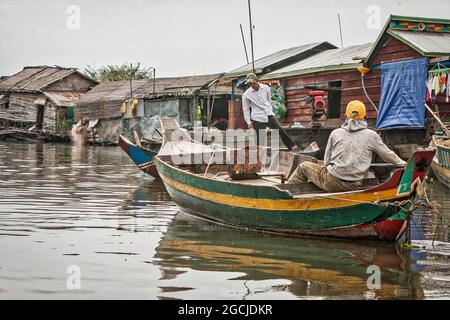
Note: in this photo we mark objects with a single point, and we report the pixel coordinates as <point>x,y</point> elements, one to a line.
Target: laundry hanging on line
<point>438,83</point>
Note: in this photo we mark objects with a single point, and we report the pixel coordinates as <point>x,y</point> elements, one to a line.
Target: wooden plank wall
<point>391,50</point>
<point>299,110</point>
<point>394,50</point>
<point>236,118</point>
<point>98,110</point>
<point>443,106</point>
<point>21,107</point>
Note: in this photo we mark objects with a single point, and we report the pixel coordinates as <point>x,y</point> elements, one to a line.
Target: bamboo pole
<point>243,40</point>
<point>251,35</point>
<point>438,120</point>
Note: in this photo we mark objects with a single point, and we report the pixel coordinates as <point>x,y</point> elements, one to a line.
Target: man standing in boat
<point>258,99</point>
<point>348,155</point>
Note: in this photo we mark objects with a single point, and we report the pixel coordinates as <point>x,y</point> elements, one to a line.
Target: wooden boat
<point>441,161</point>
<point>379,210</point>
<point>142,157</point>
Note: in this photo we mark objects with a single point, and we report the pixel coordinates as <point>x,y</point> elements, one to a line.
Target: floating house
<point>43,97</point>
<point>415,48</point>
<point>182,96</point>
<point>334,73</point>
<point>120,107</point>
<point>103,107</point>
<point>262,66</point>
<point>397,67</point>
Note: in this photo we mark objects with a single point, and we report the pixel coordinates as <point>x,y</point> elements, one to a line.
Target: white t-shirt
<point>260,103</point>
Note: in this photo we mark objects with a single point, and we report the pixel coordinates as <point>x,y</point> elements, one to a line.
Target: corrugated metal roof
<point>11,81</point>
<point>193,81</point>
<point>110,91</point>
<point>147,88</point>
<point>403,28</point>
<point>333,59</point>
<point>120,90</point>
<point>181,86</point>
<point>188,86</point>
<point>427,43</point>
<point>280,57</point>
<point>36,78</point>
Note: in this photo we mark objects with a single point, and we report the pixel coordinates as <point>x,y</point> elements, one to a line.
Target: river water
<point>86,224</point>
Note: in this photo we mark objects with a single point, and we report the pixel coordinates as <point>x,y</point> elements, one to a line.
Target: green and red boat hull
<point>363,214</point>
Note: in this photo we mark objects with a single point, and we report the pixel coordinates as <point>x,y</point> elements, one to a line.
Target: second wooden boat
<point>441,161</point>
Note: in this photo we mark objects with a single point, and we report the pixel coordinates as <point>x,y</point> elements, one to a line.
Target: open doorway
<point>334,99</point>
<point>39,116</point>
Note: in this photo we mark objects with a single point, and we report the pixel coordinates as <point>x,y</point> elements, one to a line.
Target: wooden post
<point>208,104</point>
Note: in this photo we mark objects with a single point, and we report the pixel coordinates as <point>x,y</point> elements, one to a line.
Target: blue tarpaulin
<point>403,91</point>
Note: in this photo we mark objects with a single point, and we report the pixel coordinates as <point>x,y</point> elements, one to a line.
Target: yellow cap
<point>356,110</point>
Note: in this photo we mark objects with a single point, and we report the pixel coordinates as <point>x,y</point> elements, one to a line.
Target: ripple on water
<point>60,207</point>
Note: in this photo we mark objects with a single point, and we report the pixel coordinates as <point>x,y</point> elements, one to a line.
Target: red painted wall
<point>351,87</point>
<point>391,50</point>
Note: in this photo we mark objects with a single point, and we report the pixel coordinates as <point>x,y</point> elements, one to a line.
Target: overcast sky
<point>183,37</point>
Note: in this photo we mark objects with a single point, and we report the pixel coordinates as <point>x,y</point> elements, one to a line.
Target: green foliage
<point>445,119</point>
<point>64,125</point>
<point>278,102</point>
<point>119,72</point>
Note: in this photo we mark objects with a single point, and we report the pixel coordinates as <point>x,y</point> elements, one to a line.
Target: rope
<point>367,95</point>
<point>210,161</point>
<point>399,204</point>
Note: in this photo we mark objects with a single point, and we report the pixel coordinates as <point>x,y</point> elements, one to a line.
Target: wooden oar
<point>438,120</point>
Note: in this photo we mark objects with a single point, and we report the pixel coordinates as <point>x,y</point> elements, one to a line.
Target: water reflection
<point>313,268</point>
<point>91,207</point>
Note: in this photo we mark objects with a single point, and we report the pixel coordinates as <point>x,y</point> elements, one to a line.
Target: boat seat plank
<point>274,180</point>
<point>270,174</point>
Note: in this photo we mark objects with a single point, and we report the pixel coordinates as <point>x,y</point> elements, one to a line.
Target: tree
<point>119,72</point>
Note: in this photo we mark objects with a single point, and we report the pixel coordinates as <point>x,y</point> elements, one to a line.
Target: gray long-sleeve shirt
<point>259,102</point>
<point>349,151</point>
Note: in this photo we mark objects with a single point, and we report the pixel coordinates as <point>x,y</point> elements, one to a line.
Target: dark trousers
<point>273,124</point>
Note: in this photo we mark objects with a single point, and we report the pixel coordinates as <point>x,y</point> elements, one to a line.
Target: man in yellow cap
<point>257,98</point>
<point>348,155</point>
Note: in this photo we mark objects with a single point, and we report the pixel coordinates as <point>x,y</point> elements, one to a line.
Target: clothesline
<point>439,72</point>
<point>439,69</point>
<point>438,82</point>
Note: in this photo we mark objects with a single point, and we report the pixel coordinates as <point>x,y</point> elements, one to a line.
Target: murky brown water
<point>92,209</point>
